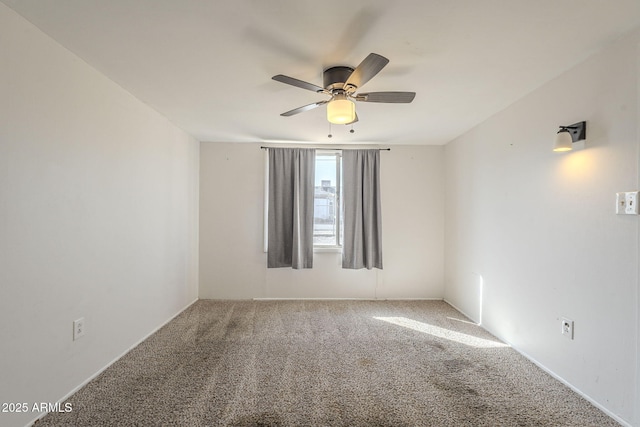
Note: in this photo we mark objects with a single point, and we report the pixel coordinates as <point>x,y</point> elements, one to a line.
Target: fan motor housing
<point>335,77</point>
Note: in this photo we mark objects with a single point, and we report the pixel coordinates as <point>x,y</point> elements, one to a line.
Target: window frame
<point>337,247</point>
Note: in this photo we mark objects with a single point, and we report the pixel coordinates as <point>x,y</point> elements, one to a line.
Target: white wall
<point>232,261</point>
<point>538,230</point>
<point>98,218</point>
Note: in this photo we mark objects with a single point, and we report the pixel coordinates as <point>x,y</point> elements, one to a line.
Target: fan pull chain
<point>329,136</point>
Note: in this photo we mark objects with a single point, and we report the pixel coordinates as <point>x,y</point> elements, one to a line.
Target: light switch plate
<point>627,203</point>
<point>631,205</point>
<point>620,203</point>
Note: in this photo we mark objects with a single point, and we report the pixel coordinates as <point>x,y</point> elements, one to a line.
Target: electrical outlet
<point>567,328</point>
<point>78,328</point>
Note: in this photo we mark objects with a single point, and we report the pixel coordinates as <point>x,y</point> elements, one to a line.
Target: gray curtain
<point>362,246</point>
<point>291,191</point>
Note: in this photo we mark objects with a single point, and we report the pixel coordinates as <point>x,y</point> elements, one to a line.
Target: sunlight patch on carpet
<point>439,332</point>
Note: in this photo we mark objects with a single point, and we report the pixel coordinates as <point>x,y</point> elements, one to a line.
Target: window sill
<point>328,249</point>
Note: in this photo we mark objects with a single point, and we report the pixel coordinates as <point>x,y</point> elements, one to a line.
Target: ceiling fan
<point>341,84</point>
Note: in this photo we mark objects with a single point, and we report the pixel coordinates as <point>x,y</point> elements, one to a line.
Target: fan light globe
<point>563,141</point>
<point>341,110</point>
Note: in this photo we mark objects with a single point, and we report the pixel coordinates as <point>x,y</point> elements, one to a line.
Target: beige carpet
<point>324,363</point>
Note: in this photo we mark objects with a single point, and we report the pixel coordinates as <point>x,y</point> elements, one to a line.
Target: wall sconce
<point>567,135</point>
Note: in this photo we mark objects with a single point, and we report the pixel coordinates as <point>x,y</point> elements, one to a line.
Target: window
<point>327,212</point>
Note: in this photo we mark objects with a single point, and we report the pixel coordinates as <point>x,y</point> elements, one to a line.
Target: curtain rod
<point>328,148</point>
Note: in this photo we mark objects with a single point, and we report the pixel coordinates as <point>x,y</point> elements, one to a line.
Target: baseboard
<point>550,372</point>
<point>461,311</point>
<point>568,384</point>
<point>346,299</point>
<point>85,382</point>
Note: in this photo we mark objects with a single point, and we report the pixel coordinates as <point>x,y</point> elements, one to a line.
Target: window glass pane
<point>327,200</point>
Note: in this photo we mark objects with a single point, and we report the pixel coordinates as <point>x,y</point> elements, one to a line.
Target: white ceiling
<point>207,65</point>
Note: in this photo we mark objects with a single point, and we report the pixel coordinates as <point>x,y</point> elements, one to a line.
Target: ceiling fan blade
<point>298,83</point>
<point>303,109</point>
<point>367,69</point>
<point>388,97</point>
